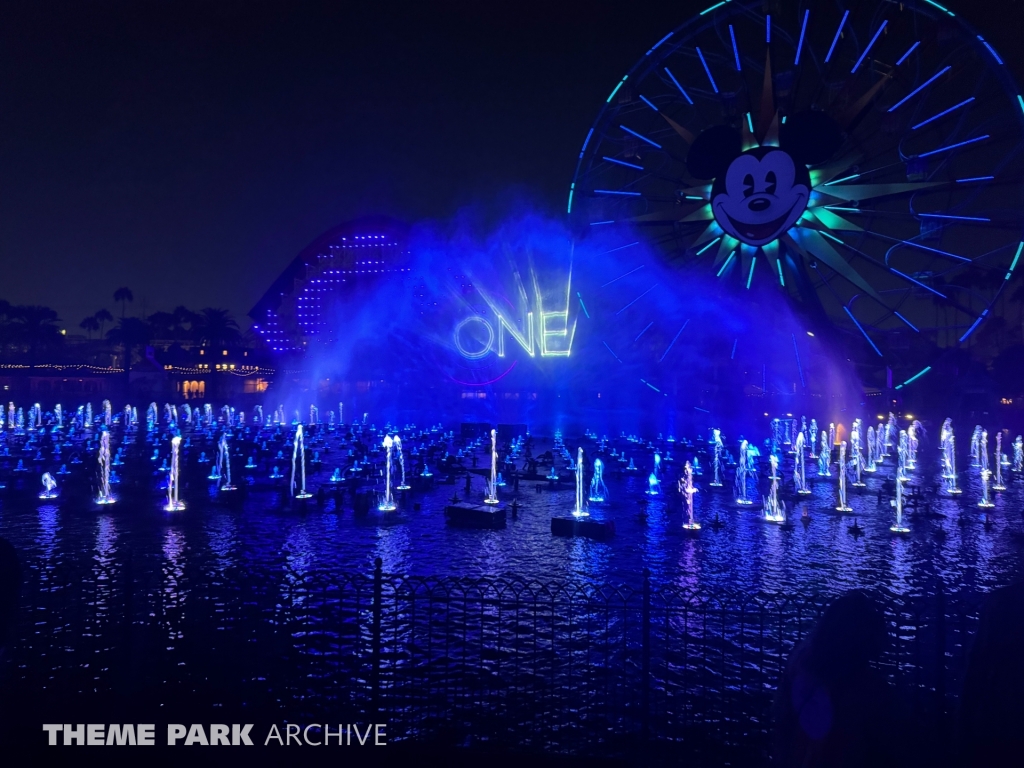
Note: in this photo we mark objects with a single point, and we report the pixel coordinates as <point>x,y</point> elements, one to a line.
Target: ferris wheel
<point>865,158</point>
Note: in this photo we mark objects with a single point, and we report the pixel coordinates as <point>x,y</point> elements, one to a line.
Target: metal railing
<point>504,661</point>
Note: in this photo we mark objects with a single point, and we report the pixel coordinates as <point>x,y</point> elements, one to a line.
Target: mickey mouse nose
<point>758,204</point>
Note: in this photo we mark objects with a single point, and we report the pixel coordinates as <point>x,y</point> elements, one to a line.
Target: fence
<point>569,668</point>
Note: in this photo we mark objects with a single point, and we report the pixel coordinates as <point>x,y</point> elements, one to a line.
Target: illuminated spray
<point>898,526</point>
<point>299,463</point>
<point>949,463</point>
<point>49,487</point>
<point>580,510</point>
<point>872,449</point>
<point>717,460</point>
<point>799,467</point>
<point>687,489</point>
<point>998,484</point>
<point>742,471</point>
<point>174,504</point>
<point>388,504</point>
<point>774,508</point>
<point>843,505</point>
<point>492,486</point>
<point>103,459</point>
<point>902,454</point>
<point>824,457</point>
<point>402,486</point>
<point>224,463</point>
<point>598,490</point>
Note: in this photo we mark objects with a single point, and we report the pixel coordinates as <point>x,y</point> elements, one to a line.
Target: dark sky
<point>189,150</point>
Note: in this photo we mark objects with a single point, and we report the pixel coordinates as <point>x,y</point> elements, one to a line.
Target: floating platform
<point>585,527</point>
<point>465,515</point>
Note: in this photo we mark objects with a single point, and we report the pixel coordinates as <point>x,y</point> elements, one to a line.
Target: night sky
<point>189,150</point>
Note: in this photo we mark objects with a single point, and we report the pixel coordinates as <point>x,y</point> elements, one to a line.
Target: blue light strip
<point>799,367</point>
<point>610,350</point>
<point>728,261</point>
<point>646,101</point>
<point>701,54</point>
<point>910,50</point>
<point>838,181</point>
<point>585,142</point>
<point>643,331</point>
<point>1020,100</point>
<point>914,244</point>
<point>623,162</point>
<point>915,377</point>
<point>1015,258</point>
<point>650,385</point>
<point>782,280</point>
<point>800,45</point>
<point>595,223</point>
<point>990,49</point>
<point>716,5</point>
<point>615,90</point>
<point>953,146</point>
<point>616,192</point>
<point>940,7</point>
<point>735,50</point>
<point>949,216</point>
<point>582,305</point>
<point>677,85</point>
<point>622,247</point>
<point>655,46</point>
<point>627,274</point>
<point>835,39</point>
<point>768,29</point>
<point>830,236</point>
<point>901,317</point>
<point>572,188</point>
<point>975,178</point>
<point>708,245</point>
<point>976,324</point>
<point>750,123</point>
<point>734,343</point>
<point>861,329</point>
<point>917,282</point>
<point>669,348</point>
<point>750,277</point>
<point>864,55</point>
<point>654,144</point>
<point>920,88</point>
<point>634,301</point>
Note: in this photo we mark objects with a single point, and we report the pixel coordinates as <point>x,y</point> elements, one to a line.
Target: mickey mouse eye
<point>748,185</point>
<point>770,182</point>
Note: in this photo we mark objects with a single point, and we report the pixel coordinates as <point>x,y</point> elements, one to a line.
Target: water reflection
<point>392,548</point>
<point>222,537</point>
<point>174,589</point>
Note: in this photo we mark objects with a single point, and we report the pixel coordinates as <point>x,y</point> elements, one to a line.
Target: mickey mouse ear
<point>712,151</point>
<point>810,137</point>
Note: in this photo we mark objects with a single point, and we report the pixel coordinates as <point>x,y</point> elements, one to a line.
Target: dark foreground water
<point>250,597</point>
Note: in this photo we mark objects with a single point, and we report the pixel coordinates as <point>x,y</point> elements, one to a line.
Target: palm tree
<point>103,317</point>
<point>123,295</point>
<point>90,324</point>
<point>216,328</point>
<point>129,333</point>
<point>36,328</point>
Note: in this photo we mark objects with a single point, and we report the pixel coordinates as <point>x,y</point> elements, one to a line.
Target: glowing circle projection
<point>865,154</point>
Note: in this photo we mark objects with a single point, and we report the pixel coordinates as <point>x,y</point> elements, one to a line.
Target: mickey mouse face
<point>760,195</point>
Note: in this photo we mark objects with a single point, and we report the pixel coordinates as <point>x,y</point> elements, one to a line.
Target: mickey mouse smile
<point>760,196</point>
<point>760,193</point>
